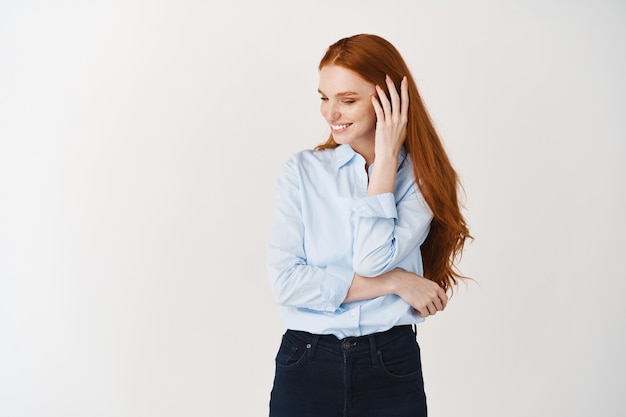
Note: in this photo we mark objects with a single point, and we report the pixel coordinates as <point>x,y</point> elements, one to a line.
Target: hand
<point>391,118</point>
<point>424,295</point>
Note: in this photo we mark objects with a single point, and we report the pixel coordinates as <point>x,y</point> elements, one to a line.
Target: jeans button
<point>346,345</point>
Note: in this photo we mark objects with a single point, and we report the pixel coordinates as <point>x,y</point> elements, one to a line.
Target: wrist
<point>387,157</point>
<point>394,279</point>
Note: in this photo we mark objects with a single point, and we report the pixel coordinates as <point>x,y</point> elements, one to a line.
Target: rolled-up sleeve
<point>386,230</point>
<point>381,205</point>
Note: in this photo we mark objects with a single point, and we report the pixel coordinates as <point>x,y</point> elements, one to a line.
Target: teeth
<point>339,127</point>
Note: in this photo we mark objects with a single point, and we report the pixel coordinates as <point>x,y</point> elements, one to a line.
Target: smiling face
<point>347,107</point>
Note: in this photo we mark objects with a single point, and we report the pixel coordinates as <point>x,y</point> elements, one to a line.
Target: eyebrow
<point>342,94</point>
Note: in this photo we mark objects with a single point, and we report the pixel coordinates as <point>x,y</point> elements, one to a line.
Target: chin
<point>341,140</point>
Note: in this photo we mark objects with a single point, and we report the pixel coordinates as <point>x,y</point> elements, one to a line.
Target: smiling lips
<point>338,128</point>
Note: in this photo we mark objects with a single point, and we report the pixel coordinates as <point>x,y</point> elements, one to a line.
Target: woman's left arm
<point>390,223</point>
<point>386,231</point>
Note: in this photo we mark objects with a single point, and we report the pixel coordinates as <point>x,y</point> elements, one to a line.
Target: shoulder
<point>305,169</point>
<point>310,159</point>
<point>313,156</point>
<point>407,186</point>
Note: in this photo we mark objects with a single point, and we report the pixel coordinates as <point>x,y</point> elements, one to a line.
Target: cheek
<point>369,115</point>
<point>364,113</point>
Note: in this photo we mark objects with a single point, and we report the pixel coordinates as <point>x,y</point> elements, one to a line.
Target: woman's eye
<point>348,102</point>
<point>324,98</point>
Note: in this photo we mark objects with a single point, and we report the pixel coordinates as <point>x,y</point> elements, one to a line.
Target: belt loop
<point>373,350</point>
<point>311,346</point>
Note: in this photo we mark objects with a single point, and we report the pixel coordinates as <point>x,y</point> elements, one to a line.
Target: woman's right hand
<point>424,295</point>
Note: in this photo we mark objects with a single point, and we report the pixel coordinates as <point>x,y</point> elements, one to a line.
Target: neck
<point>367,152</point>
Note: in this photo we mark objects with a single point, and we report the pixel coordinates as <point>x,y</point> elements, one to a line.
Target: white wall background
<point>139,146</point>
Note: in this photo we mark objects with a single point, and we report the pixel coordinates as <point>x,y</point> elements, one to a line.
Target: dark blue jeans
<point>378,375</point>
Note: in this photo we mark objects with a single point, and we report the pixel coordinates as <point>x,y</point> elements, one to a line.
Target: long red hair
<point>373,57</point>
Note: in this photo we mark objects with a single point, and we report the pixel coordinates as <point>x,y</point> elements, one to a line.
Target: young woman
<point>365,233</point>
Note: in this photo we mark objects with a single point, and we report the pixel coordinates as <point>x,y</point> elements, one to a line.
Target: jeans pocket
<point>401,360</point>
<point>291,352</point>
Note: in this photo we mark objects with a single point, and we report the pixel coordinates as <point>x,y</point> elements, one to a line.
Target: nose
<point>330,111</point>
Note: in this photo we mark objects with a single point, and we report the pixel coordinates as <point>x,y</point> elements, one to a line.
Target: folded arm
<point>424,295</point>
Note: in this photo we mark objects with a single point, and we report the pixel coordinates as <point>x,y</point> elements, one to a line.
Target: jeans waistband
<point>357,345</point>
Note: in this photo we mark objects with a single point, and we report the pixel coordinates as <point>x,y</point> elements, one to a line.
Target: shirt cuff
<point>379,205</point>
<point>335,285</point>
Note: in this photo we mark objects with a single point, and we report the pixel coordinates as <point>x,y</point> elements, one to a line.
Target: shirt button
<point>346,345</point>
<point>352,313</point>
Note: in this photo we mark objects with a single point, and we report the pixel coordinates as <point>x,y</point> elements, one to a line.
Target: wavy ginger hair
<point>372,57</point>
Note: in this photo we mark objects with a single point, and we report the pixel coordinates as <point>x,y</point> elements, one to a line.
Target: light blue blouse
<point>325,229</point>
